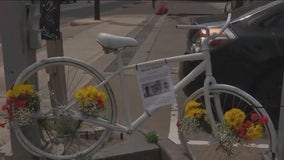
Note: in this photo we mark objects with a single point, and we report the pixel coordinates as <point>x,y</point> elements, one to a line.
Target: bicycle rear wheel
<point>65,130</point>
<point>197,136</point>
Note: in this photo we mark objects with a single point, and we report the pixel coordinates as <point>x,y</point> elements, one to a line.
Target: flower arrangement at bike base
<point>91,100</point>
<point>21,103</point>
<point>57,126</point>
<point>238,128</point>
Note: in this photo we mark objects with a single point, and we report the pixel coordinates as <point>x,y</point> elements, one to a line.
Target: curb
<point>85,21</point>
<point>171,151</point>
<point>135,147</point>
<point>132,147</point>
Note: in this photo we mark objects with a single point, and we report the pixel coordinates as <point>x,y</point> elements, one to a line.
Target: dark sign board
<point>49,19</point>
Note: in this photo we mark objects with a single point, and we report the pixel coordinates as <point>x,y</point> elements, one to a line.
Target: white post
<point>17,53</point>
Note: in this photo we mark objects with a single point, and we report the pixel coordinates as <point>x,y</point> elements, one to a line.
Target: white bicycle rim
<point>221,88</point>
<point>80,65</point>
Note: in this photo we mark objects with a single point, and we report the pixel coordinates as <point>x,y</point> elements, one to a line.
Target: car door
<point>268,84</point>
<point>258,37</point>
<point>278,31</point>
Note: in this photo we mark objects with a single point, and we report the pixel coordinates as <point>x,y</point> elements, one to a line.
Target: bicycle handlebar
<point>224,26</point>
<point>207,28</point>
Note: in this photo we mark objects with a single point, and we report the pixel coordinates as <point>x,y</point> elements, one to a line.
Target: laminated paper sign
<point>156,86</point>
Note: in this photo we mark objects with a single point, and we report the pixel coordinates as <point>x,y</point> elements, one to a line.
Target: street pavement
<point>158,37</point>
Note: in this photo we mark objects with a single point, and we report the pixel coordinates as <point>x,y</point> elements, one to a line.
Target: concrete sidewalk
<point>157,37</point>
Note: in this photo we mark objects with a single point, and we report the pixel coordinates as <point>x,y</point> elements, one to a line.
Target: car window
<point>271,21</point>
<point>269,18</point>
<point>253,8</point>
<point>246,8</point>
<point>274,20</point>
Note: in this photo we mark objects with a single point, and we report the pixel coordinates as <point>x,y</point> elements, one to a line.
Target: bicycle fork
<point>217,116</point>
<point>212,103</point>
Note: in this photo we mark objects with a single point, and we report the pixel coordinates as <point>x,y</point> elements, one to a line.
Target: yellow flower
<point>20,89</point>
<point>192,104</point>
<point>254,132</point>
<point>91,89</point>
<point>192,109</point>
<point>234,117</point>
<point>89,94</point>
<point>195,112</point>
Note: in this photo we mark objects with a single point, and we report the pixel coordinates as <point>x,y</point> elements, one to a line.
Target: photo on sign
<point>156,87</point>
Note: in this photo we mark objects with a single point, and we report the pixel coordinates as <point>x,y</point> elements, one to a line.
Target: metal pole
<point>97,9</point>
<point>54,47</point>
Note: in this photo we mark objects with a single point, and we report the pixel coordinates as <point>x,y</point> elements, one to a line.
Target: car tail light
<point>218,42</point>
<point>222,39</point>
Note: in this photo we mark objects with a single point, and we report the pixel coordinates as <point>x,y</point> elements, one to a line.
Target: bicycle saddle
<point>114,42</point>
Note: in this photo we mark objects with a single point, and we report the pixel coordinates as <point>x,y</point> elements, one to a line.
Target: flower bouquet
<point>91,100</point>
<point>195,119</point>
<point>21,104</point>
<point>237,127</point>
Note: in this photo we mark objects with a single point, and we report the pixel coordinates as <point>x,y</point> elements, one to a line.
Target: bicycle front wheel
<point>70,101</point>
<point>245,130</point>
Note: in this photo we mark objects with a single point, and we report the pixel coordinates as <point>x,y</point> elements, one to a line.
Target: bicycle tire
<point>203,145</point>
<point>64,136</point>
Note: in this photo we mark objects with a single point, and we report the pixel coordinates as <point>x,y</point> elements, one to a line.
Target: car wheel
<point>268,91</point>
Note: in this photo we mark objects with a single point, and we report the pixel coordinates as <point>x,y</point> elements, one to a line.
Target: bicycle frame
<point>203,66</point>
